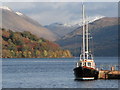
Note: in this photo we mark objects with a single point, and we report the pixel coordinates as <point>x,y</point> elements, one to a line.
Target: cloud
<point>52,16</point>
<point>103,8</point>
<point>19,5</point>
<point>50,12</point>
<point>60,0</point>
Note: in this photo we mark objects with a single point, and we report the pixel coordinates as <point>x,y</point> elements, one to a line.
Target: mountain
<point>61,29</point>
<point>105,38</point>
<point>19,22</point>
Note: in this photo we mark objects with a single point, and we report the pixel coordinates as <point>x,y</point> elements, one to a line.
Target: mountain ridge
<point>104,32</point>
<point>15,22</point>
<point>61,29</point>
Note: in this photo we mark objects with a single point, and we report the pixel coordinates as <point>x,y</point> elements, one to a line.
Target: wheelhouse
<point>86,63</point>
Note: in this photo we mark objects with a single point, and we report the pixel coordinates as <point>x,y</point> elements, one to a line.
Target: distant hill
<point>26,45</point>
<point>105,38</point>
<point>61,29</point>
<point>19,22</point>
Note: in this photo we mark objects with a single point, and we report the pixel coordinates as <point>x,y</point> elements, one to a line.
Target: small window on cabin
<point>80,64</point>
<point>89,64</point>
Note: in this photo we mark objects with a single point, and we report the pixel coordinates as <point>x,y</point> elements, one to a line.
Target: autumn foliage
<point>26,45</point>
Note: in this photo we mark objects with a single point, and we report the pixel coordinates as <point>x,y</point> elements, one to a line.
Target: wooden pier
<point>109,74</point>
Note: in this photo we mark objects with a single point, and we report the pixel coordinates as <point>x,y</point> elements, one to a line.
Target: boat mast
<point>85,46</point>
<point>83,17</point>
<point>87,40</point>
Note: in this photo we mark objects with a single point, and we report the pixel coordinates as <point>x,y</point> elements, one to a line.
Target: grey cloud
<point>49,12</point>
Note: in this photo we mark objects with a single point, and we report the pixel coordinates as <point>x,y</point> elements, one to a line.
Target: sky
<point>63,12</point>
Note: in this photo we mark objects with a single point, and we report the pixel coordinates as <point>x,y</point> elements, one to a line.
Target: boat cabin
<point>86,63</point>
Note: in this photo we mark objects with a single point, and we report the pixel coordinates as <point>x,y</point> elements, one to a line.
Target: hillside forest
<point>26,45</point>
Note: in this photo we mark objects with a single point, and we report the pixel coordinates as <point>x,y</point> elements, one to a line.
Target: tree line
<point>26,45</point>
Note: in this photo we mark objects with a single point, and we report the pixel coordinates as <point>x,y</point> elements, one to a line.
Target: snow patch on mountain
<point>5,8</point>
<point>79,23</point>
<point>18,13</point>
<point>95,18</point>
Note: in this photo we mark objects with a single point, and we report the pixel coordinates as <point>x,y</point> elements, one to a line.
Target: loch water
<point>51,73</point>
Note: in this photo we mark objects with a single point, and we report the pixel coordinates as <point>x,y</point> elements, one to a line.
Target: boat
<point>85,67</point>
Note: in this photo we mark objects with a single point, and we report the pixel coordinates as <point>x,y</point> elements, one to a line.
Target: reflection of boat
<point>85,68</point>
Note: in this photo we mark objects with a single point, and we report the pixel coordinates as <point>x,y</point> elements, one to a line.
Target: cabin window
<point>89,64</point>
<point>77,64</point>
<point>80,64</point>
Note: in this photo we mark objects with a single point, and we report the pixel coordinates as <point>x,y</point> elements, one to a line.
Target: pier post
<point>112,68</point>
